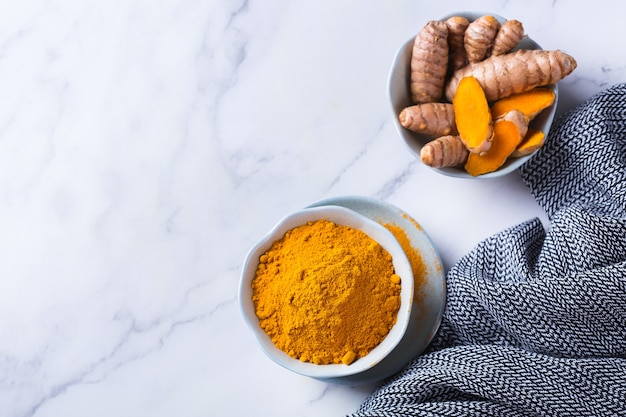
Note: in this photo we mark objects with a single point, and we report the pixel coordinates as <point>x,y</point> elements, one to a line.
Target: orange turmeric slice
<point>473,116</point>
<point>531,103</point>
<point>517,117</point>
<point>506,139</point>
<point>533,140</point>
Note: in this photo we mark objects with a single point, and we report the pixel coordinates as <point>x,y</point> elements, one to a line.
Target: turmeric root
<point>533,140</point>
<point>509,35</point>
<point>456,42</point>
<point>515,72</point>
<point>531,103</point>
<point>429,62</point>
<point>473,116</point>
<point>518,118</point>
<point>479,37</point>
<point>506,139</point>
<point>445,151</point>
<point>432,119</point>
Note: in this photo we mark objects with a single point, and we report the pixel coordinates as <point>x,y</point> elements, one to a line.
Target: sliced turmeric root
<point>506,139</point>
<point>531,103</point>
<point>473,116</point>
<point>533,140</point>
<point>518,118</point>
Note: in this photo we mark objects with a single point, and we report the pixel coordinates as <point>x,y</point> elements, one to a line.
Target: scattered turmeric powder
<point>326,293</point>
<point>414,256</point>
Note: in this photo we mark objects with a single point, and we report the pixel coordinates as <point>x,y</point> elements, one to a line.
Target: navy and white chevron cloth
<point>535,321</point>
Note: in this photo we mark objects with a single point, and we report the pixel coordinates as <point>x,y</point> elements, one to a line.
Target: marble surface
<point>145,147</point>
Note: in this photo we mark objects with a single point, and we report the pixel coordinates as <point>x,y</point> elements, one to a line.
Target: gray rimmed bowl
<point>375,365</point>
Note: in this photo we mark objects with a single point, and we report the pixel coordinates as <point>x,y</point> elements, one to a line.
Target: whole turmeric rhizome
<point>326,293</point>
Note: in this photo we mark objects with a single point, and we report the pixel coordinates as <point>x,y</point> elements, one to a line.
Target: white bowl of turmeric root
<point>328,294</point>
<point>473,96</point>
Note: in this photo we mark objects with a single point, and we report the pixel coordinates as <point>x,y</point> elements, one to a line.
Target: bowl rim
<point>415,141</point>
<point>343,216</point>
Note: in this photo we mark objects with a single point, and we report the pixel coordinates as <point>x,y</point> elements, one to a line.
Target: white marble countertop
<point>145,146</point>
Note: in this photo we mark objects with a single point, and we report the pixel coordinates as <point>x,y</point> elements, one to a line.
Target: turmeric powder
<point>326,293</point>
<point>413,255</point>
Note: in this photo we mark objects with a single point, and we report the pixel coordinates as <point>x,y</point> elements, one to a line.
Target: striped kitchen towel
<point>535,321</point>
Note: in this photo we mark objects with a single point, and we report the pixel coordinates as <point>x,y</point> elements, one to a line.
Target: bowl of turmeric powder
<point>473,96</point>
<point>328,294</point>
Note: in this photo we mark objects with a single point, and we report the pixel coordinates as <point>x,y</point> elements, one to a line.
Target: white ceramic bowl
<point>399,95</point>
<point>361,369</point>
